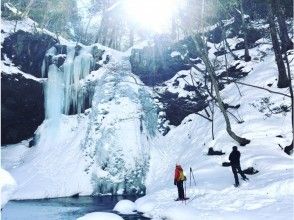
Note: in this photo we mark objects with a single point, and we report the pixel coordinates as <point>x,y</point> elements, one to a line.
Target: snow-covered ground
<point>268,194</point>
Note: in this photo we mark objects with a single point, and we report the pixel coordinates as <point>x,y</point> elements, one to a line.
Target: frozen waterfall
<point>64,91</point>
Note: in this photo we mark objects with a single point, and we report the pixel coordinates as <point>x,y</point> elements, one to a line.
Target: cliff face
<point>22,107</point>
<point>22,95</point>
<point>27,50</point>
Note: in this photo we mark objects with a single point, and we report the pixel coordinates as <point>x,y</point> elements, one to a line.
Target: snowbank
<point>145,205</point>
<point>54,167</point>
<point>125,207</point>
<point>100,216</point>
<point>7,185</point>
<point>180,213</point>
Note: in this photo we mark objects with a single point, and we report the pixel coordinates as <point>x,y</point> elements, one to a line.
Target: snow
<point>7,185</point>
<point>180,213</point>
<point>125,207</point>
<point>175,53</point>
<point>54,167</point>
<point>7,67</point>
<point>267,195</point>
<point>121,124</point>
<point>26,24</point>
<point>100,216</point>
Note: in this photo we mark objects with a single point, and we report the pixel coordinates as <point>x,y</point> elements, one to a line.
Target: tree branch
<point>258,87</point>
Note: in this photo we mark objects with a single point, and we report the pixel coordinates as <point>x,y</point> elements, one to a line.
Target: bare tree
<point>289,148</point>
<point>244,30</point>
<point>211,72</point>
<point>279,10</point>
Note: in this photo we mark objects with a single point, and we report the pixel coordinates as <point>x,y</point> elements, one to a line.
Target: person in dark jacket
<point>178,181</point>
<point>235,164</point>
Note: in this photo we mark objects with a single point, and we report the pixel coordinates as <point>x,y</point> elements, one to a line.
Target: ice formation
<point>64,91</point>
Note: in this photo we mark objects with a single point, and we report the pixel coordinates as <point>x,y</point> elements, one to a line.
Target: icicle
<point>67,77</point>
<point>76,66</point>
<point>54,93</point>
<point>43,68</point>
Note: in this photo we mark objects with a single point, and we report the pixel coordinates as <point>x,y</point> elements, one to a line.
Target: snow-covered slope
<point>268,195</point>
<point>54,167</point>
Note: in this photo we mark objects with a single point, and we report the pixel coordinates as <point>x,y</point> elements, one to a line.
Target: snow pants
<point>237,169</point>
<point>180,186</point>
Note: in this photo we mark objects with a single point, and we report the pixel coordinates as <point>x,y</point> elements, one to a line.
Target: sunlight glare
<point>154,15</point>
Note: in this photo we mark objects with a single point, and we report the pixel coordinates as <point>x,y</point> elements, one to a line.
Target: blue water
<point>63,208</point>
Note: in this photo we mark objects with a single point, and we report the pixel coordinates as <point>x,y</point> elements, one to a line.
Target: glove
<point>175,182</point>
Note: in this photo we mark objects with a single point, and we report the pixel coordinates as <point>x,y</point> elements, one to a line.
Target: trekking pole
<point>190,177</point>
<point>185,192</point>
<point>193,176</point>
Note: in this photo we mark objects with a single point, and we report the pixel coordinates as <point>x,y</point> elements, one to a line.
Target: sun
<point>154,15</point>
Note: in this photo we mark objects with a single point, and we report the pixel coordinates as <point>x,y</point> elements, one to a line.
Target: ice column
<point>54,93</point>
<point>64,91</point>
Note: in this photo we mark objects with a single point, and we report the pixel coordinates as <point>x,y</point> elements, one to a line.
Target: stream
<point>67,208</point>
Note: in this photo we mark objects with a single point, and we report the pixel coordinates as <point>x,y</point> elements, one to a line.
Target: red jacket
<point>178,171</point>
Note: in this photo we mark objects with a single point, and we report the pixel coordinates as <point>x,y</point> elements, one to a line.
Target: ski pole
<point>190,176</point>
<point>193,176</point>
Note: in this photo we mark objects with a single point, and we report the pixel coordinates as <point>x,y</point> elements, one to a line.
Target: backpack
<point>182,176</point>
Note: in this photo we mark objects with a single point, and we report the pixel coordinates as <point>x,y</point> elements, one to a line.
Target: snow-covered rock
<point>145,205</point>
<point>100,216</point>
<point>7,186</point>
<point>125,207</point>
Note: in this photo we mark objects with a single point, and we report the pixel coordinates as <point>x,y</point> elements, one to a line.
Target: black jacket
<point>235,157</point>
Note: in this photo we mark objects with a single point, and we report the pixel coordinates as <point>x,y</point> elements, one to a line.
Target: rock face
<point>23,98</point>
<point>158,63</point>
<point>27,50</point>
<point>22,109</point>
<point>177,108</point>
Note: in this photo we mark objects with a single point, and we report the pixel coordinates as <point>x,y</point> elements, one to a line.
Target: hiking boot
<point>236,185</point>
<point>245,179</point>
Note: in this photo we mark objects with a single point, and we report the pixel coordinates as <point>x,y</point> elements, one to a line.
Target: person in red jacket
<point>178,181</point>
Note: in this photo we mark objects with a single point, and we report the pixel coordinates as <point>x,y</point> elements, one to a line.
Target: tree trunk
<point>286,42</point>
<point>283,80</point>
<point>199,43</point>
<point>244,30</point>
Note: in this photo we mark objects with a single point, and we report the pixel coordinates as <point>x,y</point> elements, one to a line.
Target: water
<point>63,208</point>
